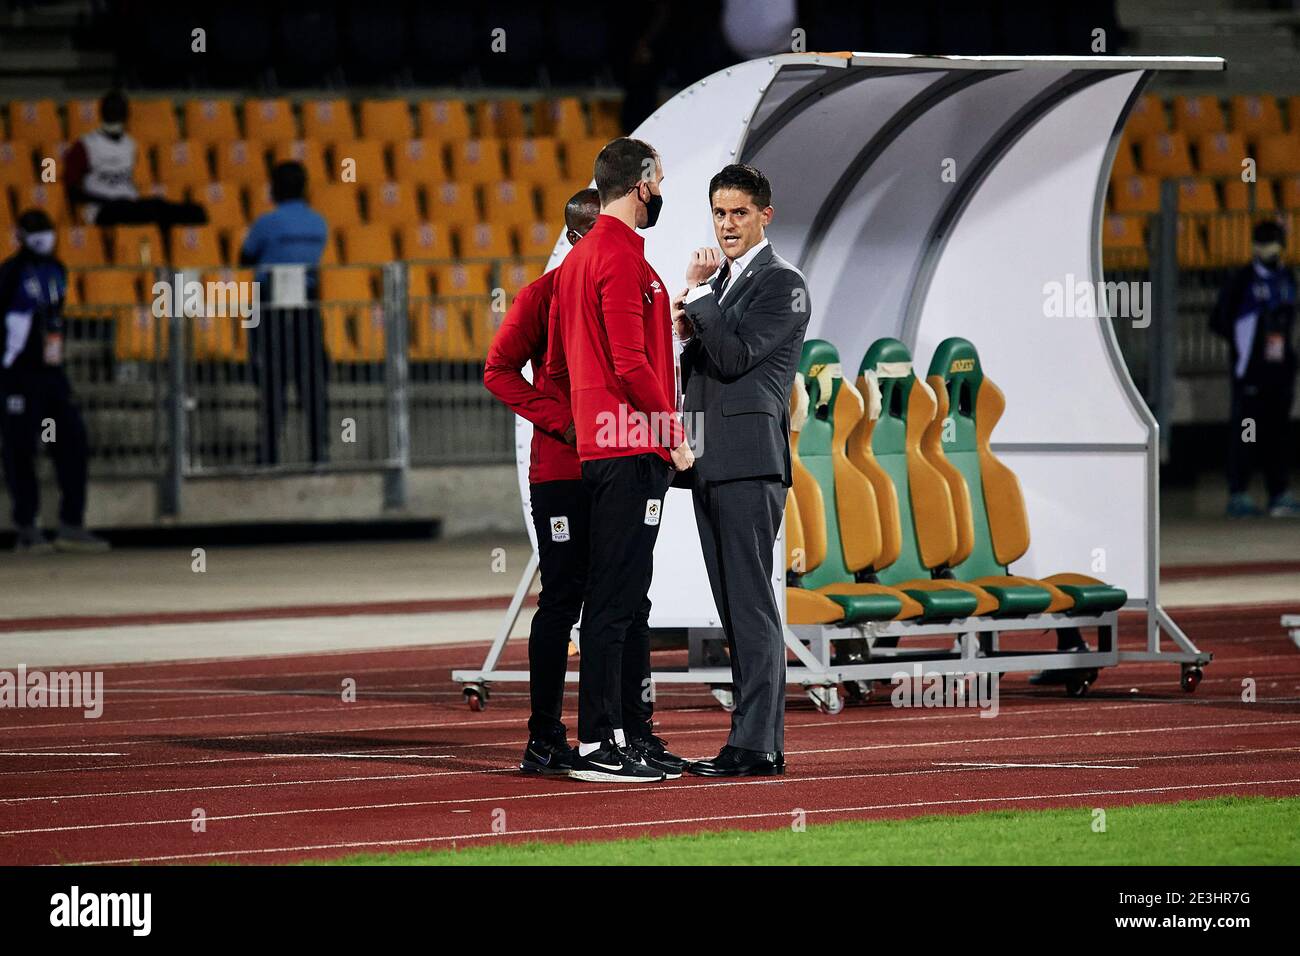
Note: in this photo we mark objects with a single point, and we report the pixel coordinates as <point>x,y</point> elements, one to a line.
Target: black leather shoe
<point>735,762</point>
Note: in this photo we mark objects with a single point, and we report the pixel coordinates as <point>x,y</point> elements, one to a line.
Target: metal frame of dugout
<point>891,248</point>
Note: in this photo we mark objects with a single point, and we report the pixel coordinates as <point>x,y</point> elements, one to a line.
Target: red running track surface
<point>283,769</point>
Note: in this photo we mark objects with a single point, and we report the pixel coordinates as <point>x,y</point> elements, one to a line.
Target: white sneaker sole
<point>599,776</point>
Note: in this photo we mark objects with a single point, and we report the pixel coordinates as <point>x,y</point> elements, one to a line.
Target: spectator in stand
<point>289,338</point>
<point>1255,312</point>
<point>99,175</point>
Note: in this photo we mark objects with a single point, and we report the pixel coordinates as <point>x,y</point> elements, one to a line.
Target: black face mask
<point>652,208</point>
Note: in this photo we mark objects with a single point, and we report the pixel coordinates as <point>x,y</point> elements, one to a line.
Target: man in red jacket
<point>611,352</point>
<point>559,502</point>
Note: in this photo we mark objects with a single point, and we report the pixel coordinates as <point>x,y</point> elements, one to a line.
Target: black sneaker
<point>547,756</point>
<point>655,754</point>
<point>609,764</point>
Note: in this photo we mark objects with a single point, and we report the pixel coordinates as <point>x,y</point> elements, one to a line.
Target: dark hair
<point>34,220</point>
<point>745,178</point>
<point>1269,231</point>
<point>621,165</point>
<point>581,210</point>
<point>113,107</point>
<point>288,181</point>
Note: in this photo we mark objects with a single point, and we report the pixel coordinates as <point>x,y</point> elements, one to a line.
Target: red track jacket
<point>522,338</point>
<point>611,346</point>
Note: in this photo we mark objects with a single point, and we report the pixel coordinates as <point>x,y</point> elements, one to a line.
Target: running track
<point>283,769</point>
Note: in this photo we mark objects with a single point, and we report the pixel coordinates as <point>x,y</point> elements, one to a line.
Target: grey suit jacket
<point>738,369</point>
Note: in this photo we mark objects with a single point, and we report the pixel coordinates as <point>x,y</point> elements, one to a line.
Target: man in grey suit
<point>741,326</point>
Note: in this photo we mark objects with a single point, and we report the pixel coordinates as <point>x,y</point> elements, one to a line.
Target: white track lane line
<point>552,795</point>
<point>894,746</point>
<point>685,820</point>
<point>1034,766</point>
<point>236,715</point>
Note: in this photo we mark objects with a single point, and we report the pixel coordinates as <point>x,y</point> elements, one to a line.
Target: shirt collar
<point>740,265</point>
<point>618,227</point>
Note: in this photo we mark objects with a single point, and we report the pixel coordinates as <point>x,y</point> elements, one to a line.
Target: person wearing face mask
<point>99,176</point>
<point>610,351</point>
<point>36,402</point>
<point>1255,312</point>
<point>560,506</point>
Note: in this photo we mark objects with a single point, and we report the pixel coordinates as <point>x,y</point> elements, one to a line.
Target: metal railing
<point>369,377</point>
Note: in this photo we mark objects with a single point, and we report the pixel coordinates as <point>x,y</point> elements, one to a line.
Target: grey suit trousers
<point>738,522</point>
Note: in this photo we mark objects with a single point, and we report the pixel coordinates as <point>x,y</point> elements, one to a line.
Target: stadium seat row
<point>1210,154</point>
<point>267,121</point>
<point>1203,241</point>
<point>899,509</point>
<point>1141,194</point>
<point>1248,115</point>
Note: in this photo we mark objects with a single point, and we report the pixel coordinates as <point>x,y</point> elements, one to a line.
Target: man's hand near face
<point>704,262</point>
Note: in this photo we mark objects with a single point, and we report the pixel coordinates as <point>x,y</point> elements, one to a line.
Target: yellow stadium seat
<point>484,240</point>
<point>564,119</point>
<point>337,202</point>
<point>328,121</point>
<point>452,203</point>
<point>392,204</point>
<point>153,122</point>
<point>1124,164</point>
<point>210,121</point>
<point>260,202</point>
<point>440,332</point>
<point>34,121</point>
<point>136,246</point>
<point>1236,196</point>
<point>241,161</point>
<point>535,161</point>
<point>1291,193</point>
<point>580,158</point>
<point>1190,249</point>
<point>100,287</point>
<point>462,279</point>
<point>503,119</point>
<point>513,276</point>
<point>1122,232</point>
<point>1279,154</point>
<point>223,338</point>
<point>222,202</point>
<point>1166,154</point>
<point>446,121</point>
<point>1136,194</point>
<point>427,240</point>
<point>477,161</point>
<point>365,158</point>
<point>1255,116</point>
<point>386,120</point>
<point>419,162</point>
<point>1228,239</point>
<point>1147,117</point>
<point>40,196</point>
<point>83,117</point>
<point>347,295</point>
<point>16,165</point>
<point>508,203</point>
<point>1197,195</point>
<point>370,244</point>
<point>1221,154</point>
<point>195,247</point>
<point>536,239</point>
<point>269,121</point>
<point>139,336</point>
<point>81,247</point>
<point>555,196</point>
<point>183,163</point>
<point>606,118</point>
<point>1198,115</point>
<point>72,294</point>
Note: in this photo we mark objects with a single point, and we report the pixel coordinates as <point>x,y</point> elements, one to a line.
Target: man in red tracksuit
<point>611,351</point>
<point>559,502</point>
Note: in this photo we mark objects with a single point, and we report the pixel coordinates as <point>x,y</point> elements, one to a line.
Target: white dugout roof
<point>856,146</point>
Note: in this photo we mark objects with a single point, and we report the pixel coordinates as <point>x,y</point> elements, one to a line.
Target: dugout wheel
<point>1191,678</point>
<point>476,696</point>
<point>857,691</point>
<point>725,695</point>
<point>827,700</point>
<point>1078,682</point>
